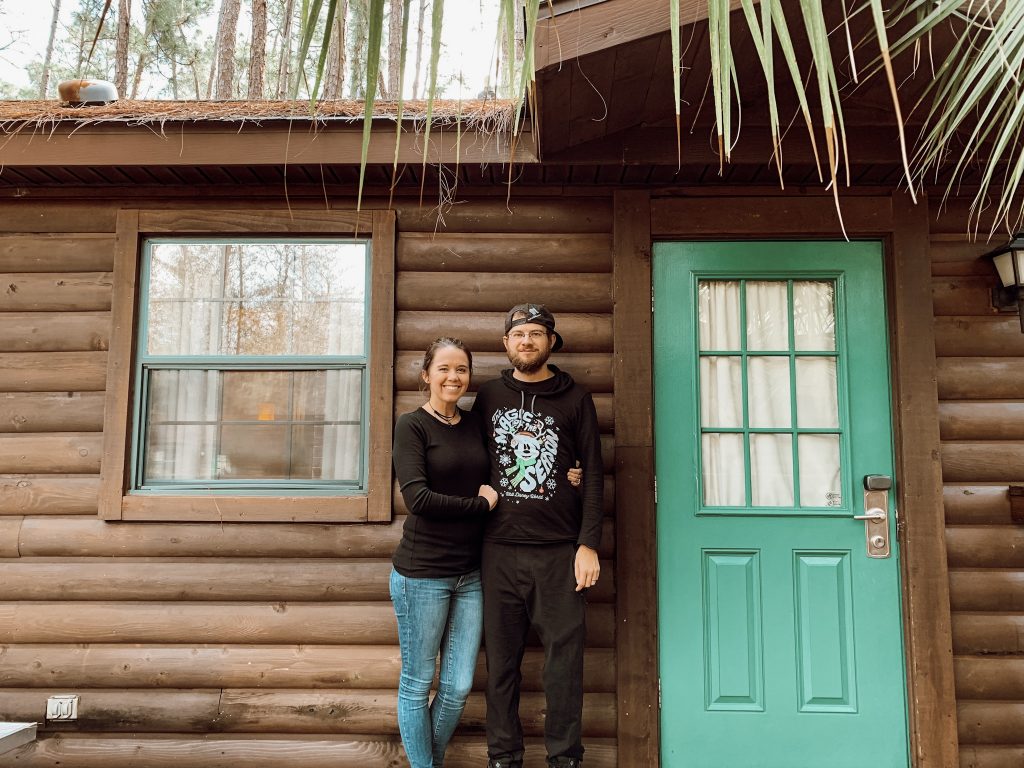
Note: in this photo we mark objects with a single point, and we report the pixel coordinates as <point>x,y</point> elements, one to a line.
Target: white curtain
<point>769,401</point>
<point>183,320</point>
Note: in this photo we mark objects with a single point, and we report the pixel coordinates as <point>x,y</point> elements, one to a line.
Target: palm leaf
<point>821,54</point>
<point>878,17</point>
<point>721,75</point>
<point>310,15</point>
<point>401,99</point>
<point>325,47</point>
<point>789,57</point>
<point>528,75</point>
<point>976,111</point>
<point>436,22</point>
<point>761,33</point>
<point>375,29</point>
<point>673,16</point>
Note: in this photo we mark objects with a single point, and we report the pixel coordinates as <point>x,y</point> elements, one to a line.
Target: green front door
<point>779,623</point>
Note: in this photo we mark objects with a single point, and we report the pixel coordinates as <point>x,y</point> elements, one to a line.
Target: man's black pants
<point>533,585</point>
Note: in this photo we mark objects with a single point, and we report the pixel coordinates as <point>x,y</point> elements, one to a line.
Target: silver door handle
<point>875,513</point>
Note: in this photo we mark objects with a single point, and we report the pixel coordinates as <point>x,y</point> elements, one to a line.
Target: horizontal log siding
<point>195,644</point>
<point>980,356</point>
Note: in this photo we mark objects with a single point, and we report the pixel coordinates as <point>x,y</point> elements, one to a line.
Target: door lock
<point>876,515</point>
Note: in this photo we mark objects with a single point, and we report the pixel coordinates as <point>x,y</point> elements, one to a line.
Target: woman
<point>443,469</point>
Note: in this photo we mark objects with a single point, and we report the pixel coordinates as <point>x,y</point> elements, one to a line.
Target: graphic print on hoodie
<point>536,431</point>
<point>526,445</point>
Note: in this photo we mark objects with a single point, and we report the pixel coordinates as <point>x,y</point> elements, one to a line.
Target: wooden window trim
<point>133,226</point>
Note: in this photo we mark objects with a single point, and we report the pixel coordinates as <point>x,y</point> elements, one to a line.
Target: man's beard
<point>528,366</point>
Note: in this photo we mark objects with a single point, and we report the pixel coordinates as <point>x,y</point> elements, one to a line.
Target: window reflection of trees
<point>257,298</point>
<point>218,299</point>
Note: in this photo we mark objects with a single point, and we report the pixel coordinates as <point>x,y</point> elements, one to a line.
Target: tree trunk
<point>121,54</point>
<point>137,80</point>
<point>394,48</point>
<point>419,48</point>
<point>140,65</point>
<point>284,78</point>
<point>227,27</point>
<point>44,80</point>
<point>174,77</point>
<point>358,58</point>
<point>334,81</point>
<point>258,50</point>
<point>82,43</point>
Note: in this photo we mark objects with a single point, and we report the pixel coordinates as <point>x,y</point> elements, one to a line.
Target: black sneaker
<point>565,762</point>
<point>504,762</point>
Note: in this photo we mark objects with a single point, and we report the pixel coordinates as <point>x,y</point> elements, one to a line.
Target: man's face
<point>528,347</point>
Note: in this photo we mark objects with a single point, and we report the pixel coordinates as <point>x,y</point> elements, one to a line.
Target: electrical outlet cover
<point>62,707</point>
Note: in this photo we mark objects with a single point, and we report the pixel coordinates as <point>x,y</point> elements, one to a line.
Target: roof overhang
<point>123,136</point>
<point>569,34</point>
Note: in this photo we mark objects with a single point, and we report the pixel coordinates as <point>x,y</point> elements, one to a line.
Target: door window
<point>770,417</point>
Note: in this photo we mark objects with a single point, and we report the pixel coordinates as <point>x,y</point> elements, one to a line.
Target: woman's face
<point>448,375</point>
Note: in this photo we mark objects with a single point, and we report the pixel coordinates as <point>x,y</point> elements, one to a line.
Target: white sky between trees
<point>468,40</point>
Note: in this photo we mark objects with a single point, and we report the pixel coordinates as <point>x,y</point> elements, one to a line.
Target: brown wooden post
<point>636,644</point>
<point>382,321</point>
<point>930,687</point>
<point>119,365</point>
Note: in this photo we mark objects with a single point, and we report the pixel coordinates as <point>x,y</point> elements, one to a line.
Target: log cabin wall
<point>980,357</point>
<point>206,644</point>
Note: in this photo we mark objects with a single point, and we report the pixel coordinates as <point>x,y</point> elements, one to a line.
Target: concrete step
<point>13,735</point>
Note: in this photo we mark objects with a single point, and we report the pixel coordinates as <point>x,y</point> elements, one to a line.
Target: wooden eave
<point>607,97</point>
<point>603,25</point>
<point>68,143</point>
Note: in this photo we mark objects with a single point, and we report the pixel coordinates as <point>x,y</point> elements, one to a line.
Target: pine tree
<point>121,54</point>
<point>223,70</point>
<point>258,50</point>
<point>44,79</point>
<point>394,47</point>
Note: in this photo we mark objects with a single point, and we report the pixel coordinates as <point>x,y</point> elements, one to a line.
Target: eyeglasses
<point>533,335</point>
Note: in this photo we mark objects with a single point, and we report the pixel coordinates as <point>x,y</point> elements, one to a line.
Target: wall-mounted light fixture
<point>1009,263</point>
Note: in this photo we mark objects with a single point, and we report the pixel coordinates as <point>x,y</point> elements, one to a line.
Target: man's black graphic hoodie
<point>537,431</point>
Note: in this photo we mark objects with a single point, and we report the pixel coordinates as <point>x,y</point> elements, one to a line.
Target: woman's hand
<point>575,475</point>
<point>490,494</point>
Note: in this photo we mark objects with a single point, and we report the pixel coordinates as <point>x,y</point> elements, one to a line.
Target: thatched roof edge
<point>490,116</point>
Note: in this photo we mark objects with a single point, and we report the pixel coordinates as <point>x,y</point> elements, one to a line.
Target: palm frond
<point>789,57</point>
<point>401,86</point>
<point>677,76</point>
<point>722,75</point>
<point>436,22</point>
<point>976,114</point>
<point>761,33</point>
<point>973,110</point>
<point>375,28</point>
<point>878,16</point>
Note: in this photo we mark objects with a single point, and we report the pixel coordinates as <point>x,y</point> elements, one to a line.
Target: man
<point>540,546</point>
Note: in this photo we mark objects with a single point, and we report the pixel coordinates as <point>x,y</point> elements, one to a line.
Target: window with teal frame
<point>772,431</point>
<point>251,372</point>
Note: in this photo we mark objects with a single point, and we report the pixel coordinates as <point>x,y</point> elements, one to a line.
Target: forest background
<point>204,49</point>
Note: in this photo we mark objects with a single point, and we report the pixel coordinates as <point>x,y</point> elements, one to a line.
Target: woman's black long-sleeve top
<point>440,469</point>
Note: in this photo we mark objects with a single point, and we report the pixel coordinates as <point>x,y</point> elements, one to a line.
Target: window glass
<point>718,314</point>
<point>770,411</point>
<point>277,298</point>
<point>253,366</point>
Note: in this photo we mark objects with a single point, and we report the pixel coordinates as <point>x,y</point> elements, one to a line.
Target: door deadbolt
<point>876,515</point>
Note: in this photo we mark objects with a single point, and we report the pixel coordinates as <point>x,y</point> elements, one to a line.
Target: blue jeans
<point>435,617</point>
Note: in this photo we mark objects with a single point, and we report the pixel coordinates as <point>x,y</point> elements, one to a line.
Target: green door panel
<point>780,639</point>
